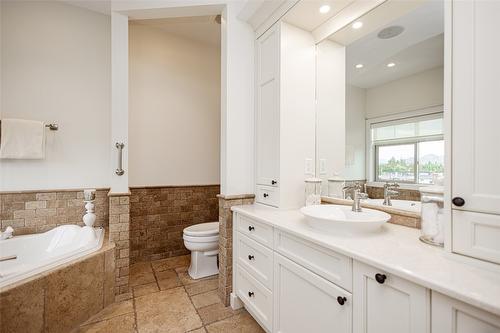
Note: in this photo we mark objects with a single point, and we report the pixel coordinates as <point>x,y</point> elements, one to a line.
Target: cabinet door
<point>267,115</point>
<point>305,302</point>
<point>389,304</point>
<point>452,316</point>
<point>475,114</point>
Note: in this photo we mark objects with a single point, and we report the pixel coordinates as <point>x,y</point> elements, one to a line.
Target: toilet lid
<point>202,229</point>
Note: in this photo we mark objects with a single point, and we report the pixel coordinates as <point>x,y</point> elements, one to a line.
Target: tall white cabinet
<point>285,119</point>
<point>475,132</point>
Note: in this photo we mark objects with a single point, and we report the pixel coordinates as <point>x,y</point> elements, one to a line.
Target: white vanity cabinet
<point>386,303</point>
<point>475,135</point>
<point>285,120</point>
<point>306,302</point>
<point>291,284</point>
<point>452,316</point>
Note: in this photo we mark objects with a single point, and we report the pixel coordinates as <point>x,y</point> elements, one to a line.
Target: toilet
<point>203,242</point>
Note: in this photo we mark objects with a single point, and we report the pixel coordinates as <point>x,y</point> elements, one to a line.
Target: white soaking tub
<point>407,205</point>
<point>37,253</point>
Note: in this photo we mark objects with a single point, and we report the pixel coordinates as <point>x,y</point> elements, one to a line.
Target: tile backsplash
<point>404,194</point>
<point>159,214</point>
<point>38,211</point>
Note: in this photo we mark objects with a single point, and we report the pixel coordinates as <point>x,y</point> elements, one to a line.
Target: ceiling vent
<point>390,32</point>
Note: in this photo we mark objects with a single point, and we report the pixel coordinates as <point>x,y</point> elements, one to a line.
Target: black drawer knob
<point>251,257</point>
<point>273,182</point>
<point>380,278</point>
<point>266,195</point>
<point>341,300</point>
<point>250,294</point>
<point>250,228</point>
<point>457,201</point>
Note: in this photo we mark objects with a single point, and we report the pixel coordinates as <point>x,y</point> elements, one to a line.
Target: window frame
<point>372,167</point>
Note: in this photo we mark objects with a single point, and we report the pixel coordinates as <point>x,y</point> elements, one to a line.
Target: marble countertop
<point>396,250</point>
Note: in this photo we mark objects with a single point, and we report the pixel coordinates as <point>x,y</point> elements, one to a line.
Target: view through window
<point>409,150</point>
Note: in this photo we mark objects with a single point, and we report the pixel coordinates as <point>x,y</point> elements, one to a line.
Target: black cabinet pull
<point>250,294</point>
<point>457,201</point>
<point>380,278</point>
<point>250,228</point>
<point>250,257</point>
<point>266,195</point>
<point>273,182</point>
<point>341,300</point>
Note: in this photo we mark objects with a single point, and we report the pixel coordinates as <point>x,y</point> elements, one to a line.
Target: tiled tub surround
<point>159,214</point>
<point>400,217</point>
<point>226,241</point>
<point>119,233</point>
<point>61,299</point>
<point>31,212</point>
<point>375,192</point>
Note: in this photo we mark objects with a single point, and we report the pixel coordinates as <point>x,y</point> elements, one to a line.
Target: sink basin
<point>340,217</point>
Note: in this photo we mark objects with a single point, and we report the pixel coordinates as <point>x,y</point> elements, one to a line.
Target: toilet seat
<point>202,239</point>
<point>202,230</point>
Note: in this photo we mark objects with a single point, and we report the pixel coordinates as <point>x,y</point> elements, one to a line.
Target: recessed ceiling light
<point>324,9</point>
<point>357,25</point>
<point>391,64</point>
<point>359,66</point>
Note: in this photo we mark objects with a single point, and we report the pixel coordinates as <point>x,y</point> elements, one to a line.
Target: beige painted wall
<point>174,110</point>
<point>55,66</point>
<point>414,92</point>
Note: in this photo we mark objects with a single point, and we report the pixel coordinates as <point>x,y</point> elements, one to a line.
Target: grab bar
<point>8,258</point>
<point>119,171</point>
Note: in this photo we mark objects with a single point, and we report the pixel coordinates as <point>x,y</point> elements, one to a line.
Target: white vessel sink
<point>340,217</point>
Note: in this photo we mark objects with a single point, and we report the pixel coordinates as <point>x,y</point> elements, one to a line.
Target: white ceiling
<point>202,29</point>
<point>419,48</point>
<point>306,15</point>
<point>100,6</point>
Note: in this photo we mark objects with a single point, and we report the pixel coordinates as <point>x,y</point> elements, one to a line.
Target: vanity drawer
<point>267,195</point>
<point>257,298</point>
<point>256,259</point>
<point>256,230</point>
<point>330,265</point>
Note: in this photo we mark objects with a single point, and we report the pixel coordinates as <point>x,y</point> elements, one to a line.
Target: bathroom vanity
<point>293,278</point>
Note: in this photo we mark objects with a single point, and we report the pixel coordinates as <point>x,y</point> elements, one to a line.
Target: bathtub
<point>407,205</point>
<point>38,253</point>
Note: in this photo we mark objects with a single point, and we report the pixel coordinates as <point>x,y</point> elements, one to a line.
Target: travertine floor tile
<point>199,330</point>
<point>215,312</point>
<point>141,273</point>
<point>113,310</point>
<point>169,263</point>
<point>202,286</point>
<point>168,279</point>
<point>121,324</point>
<point>187,280</point>
<point>166,311</point>
<point>205,299</point>
<point>240,323</point>
<point>145,289</point>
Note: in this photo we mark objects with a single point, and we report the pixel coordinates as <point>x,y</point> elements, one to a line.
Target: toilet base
<point>203,264</point>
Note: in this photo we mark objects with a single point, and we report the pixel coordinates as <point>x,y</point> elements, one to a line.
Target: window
<point>409,150</point>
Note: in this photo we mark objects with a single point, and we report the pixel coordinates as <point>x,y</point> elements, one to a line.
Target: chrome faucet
<point>351,188</point>
<point>390,190</point>
<point>358,195</point>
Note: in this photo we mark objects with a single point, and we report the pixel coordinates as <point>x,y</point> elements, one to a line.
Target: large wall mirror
<point>380,98</point>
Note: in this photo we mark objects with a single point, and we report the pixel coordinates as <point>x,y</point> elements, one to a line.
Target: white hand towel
<point>22,139</point>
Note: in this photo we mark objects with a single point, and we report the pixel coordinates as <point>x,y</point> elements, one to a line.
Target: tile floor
<point>165,299</point>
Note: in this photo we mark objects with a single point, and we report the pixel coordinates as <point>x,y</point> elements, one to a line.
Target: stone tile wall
<point>159,214</point>
<point>38,211</point>
<point>226,242</point>
<point>62,299</point>
<point>119,233</point>
<point>378,193</point>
